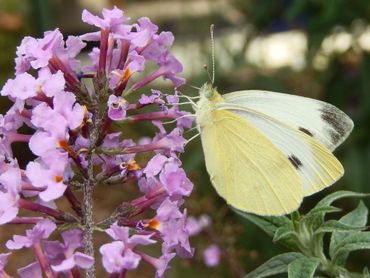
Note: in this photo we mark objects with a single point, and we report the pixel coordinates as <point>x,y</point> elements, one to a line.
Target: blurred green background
<point>319,49</point>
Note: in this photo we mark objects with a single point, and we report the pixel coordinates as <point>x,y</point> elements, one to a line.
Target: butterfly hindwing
<point>316,166</point>
<point>247,169</point>
<point>318,119</point>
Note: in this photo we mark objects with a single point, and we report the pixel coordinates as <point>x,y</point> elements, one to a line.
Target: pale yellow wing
<point>316,166</point>
<point>247,169</point>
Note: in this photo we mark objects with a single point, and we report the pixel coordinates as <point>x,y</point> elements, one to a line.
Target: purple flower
<point>173,141</point>
<point>119,255</point>
<point>50,84</point>
<point>64,257</point>
<point>155,165</point>
<point>175,181</point>
<point>195,226</point>
<point>3,261</point>
<point>171,223</point>
<point>145,31</point>
<point>32,270</point>
<point>176,237</point>
<point>10,185</point>
<point>37,52</point>
<point>170,66</point>
<point>212,255</point>
<point>154,97</point>
<point>66,112</point>
<point>149,185</point>
<point>24,86</point>
<point>162,263</point>
<point>41,230</point>
<point>77,259</point>
<point>115,258</point>
<point>8,205</point>
<point>49,175</point>
<point>112,19</point>
<point>117,108</point>
<point>159,47</point>
<point>122,234</point>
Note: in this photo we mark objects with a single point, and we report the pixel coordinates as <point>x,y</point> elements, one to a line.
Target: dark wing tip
<point>340,124</point>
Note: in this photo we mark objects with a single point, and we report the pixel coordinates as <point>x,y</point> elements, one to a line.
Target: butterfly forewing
<point>318,119</point>
<point>247,169</point>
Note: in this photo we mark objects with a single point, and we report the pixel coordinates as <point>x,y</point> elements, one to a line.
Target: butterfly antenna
<point>209,75</point>
<point>194,87</point>
<point>211,28</point>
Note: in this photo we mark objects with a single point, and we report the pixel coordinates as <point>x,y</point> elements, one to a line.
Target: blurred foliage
<point>13,28</point>
<point>305,235</point>
<point>345,82</point>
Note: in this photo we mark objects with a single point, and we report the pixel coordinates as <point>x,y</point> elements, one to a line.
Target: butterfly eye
<point>209,94</point>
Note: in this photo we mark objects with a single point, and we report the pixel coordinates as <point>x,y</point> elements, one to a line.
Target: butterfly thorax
<point>209,97</point>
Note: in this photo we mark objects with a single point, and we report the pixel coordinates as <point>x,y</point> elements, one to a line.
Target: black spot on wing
<point>295,161</point>
<point>306,131</point>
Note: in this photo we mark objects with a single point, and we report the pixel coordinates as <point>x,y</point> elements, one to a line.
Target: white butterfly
<point>265,151</point>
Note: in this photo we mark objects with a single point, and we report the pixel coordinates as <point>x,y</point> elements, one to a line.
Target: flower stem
<point>57,214</point>
<point>132,149</point>
<point>87,220</point>
<point>39,253</point>
<point>25,220</point>
<point>104,36</point>
<point>75,203</point>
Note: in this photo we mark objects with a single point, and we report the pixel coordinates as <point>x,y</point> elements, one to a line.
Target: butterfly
<point>266,151</point>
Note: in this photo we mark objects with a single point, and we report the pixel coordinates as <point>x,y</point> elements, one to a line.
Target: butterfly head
<point>208,91</point>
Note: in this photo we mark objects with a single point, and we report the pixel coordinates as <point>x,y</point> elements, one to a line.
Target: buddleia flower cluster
<point>73,119</point>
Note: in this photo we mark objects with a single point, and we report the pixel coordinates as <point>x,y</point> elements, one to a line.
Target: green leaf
<point>276,265</point>
<point>339,195</point>
<point>322,210</point>
<point>315,217</point>
<point>267,223</point>
<point>319,219</point>
<point>334,225</point>
<point>284,233</point>
<point>303,268</point>
<point>355,218</point>
<point>355,241</point>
